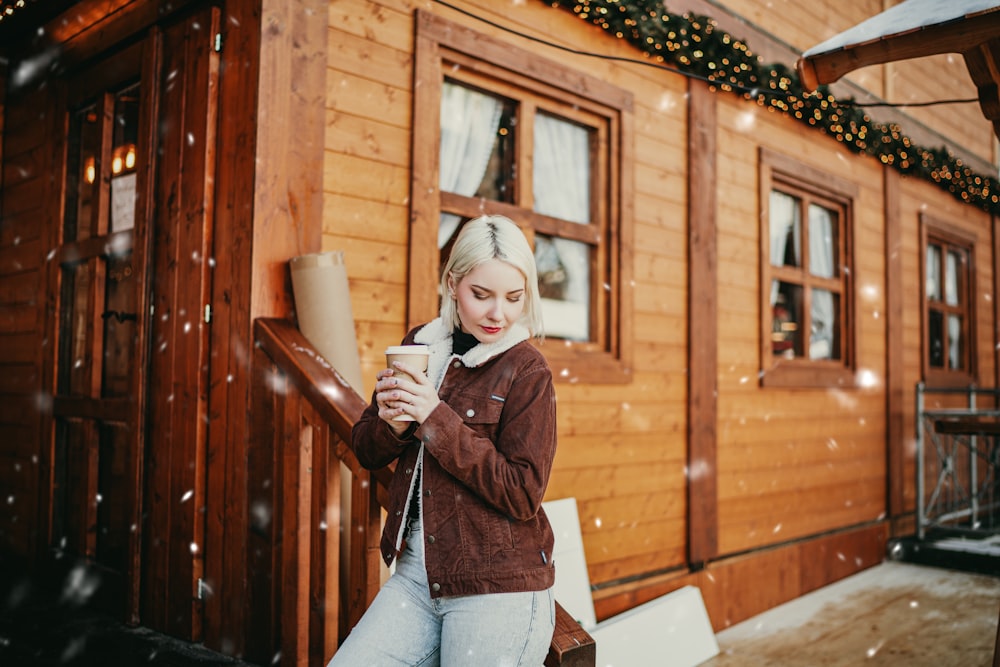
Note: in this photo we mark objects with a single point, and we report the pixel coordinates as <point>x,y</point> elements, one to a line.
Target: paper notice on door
<point>123,202</point>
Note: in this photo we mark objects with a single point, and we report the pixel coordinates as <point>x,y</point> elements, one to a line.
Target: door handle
<point>121,317</point>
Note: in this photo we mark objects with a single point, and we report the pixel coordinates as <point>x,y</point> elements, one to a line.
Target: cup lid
<point>407,349</point>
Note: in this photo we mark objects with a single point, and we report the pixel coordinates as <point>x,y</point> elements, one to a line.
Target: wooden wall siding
<point>623,452</point>
<point>739,587</point>
<point>916,198</point>
<point>804,24</point>
<point>616,453</point>
<point>833,439</point>
<point>24,202</point>
<point>942,77</point>
<point>793,27</point>
<point>995,285</point>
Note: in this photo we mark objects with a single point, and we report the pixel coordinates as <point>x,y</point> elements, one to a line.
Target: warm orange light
<point>89,171</point>
<point>123,158</point>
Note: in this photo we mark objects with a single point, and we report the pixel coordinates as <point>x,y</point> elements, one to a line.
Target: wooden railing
<point>303,414</point>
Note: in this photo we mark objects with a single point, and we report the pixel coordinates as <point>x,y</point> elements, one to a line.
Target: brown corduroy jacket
<point>486,453</point>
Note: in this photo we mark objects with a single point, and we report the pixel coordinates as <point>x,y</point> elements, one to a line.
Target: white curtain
<point>784,214</point>
<point>954,342</point>
<point>561,186</point>
<point>933,282</point>
<point>469,122</point>
<point>952,262</point>
<point>821,263</point>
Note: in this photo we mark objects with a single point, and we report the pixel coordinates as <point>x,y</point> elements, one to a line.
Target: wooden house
<point>744,284</point>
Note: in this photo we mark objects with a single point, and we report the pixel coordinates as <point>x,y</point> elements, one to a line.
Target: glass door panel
<point>119,322</point>
<point>97,458</point>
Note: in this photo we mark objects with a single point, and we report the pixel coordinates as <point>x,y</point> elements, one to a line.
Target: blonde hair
<point>493,237</point>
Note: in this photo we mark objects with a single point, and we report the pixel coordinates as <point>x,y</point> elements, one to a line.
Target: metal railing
<point>957,460</point>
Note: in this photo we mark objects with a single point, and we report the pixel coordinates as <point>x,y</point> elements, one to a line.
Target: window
<point>545,150</point>
<point>806,259</point>
<point>948,343</point>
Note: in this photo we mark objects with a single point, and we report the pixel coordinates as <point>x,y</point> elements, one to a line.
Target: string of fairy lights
<point>8,7</point>
<point>692,45</point>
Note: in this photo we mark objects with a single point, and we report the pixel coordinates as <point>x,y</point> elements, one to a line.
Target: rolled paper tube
<point>323,309</point>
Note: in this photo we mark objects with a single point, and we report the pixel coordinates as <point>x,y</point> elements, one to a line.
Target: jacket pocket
<point>479,412</point>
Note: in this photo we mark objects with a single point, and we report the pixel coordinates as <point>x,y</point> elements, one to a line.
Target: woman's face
<point>489,299</point>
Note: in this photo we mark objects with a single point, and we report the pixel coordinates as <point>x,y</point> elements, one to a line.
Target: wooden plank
<point>356,216</point>
<point>702,331</point>
<point>294,533</point>
<point>379,62</point>
<point>334,534</point>
<point>140,240</point>
<point>20,409</point>
<point>383,182</point>
<point>23,259</point>
<point>346,92</point>
<point>25,164</point>
<point>25,133</point>
<point>229,430</point>
<point>97,23</point>
<point>376,22</point>
<point>19,379</point>
<point>839,555</point>
<point>18,348</point>
<point>336,401</point>
<point>317,464</point>
<point>262,596</point>
<point>45,320</point>
<point>571,645</point>
<point>19,288</point>
<point>368,138</point>
<point>195,229</point>
<point>21,229</point>
<point>994,250</point>
<point>179,364</point>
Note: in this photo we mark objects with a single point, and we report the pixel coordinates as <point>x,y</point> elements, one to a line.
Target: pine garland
<point>693,45</point>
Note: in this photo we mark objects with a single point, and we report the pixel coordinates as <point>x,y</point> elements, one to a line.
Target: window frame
<point>798,179</point>
<point>948,236</point>
<point>448,50</point>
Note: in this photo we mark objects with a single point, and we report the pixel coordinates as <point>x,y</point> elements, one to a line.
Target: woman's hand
<point>397,396</point>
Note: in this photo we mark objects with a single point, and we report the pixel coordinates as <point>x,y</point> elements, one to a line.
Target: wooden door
<point>98,289</point>
<point>176,452</point>
<point>130,295</point>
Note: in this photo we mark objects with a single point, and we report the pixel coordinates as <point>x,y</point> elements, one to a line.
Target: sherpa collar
<point>437,336</point>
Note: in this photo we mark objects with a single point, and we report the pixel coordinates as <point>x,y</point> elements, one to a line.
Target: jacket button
<point>430,539</point>
<point>427,492</point>
<point>435,587</point>
<point>457,364</point>
<point>470,413</point>
<point>399,512</point>
<point>409,471</point>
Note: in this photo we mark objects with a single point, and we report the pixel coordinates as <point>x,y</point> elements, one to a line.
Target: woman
<point>472,546</point>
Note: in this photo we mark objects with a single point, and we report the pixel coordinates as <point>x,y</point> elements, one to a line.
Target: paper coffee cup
<point>416,356</point>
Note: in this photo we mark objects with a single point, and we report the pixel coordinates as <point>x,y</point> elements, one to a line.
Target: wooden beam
<point>703,516</point>
<point>953,37</point>
<point>895,395</point>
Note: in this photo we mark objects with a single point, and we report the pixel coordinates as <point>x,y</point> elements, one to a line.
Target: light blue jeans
<point>405,627</point>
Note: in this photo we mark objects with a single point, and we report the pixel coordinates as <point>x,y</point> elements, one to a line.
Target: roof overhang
<point>914,29</point>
